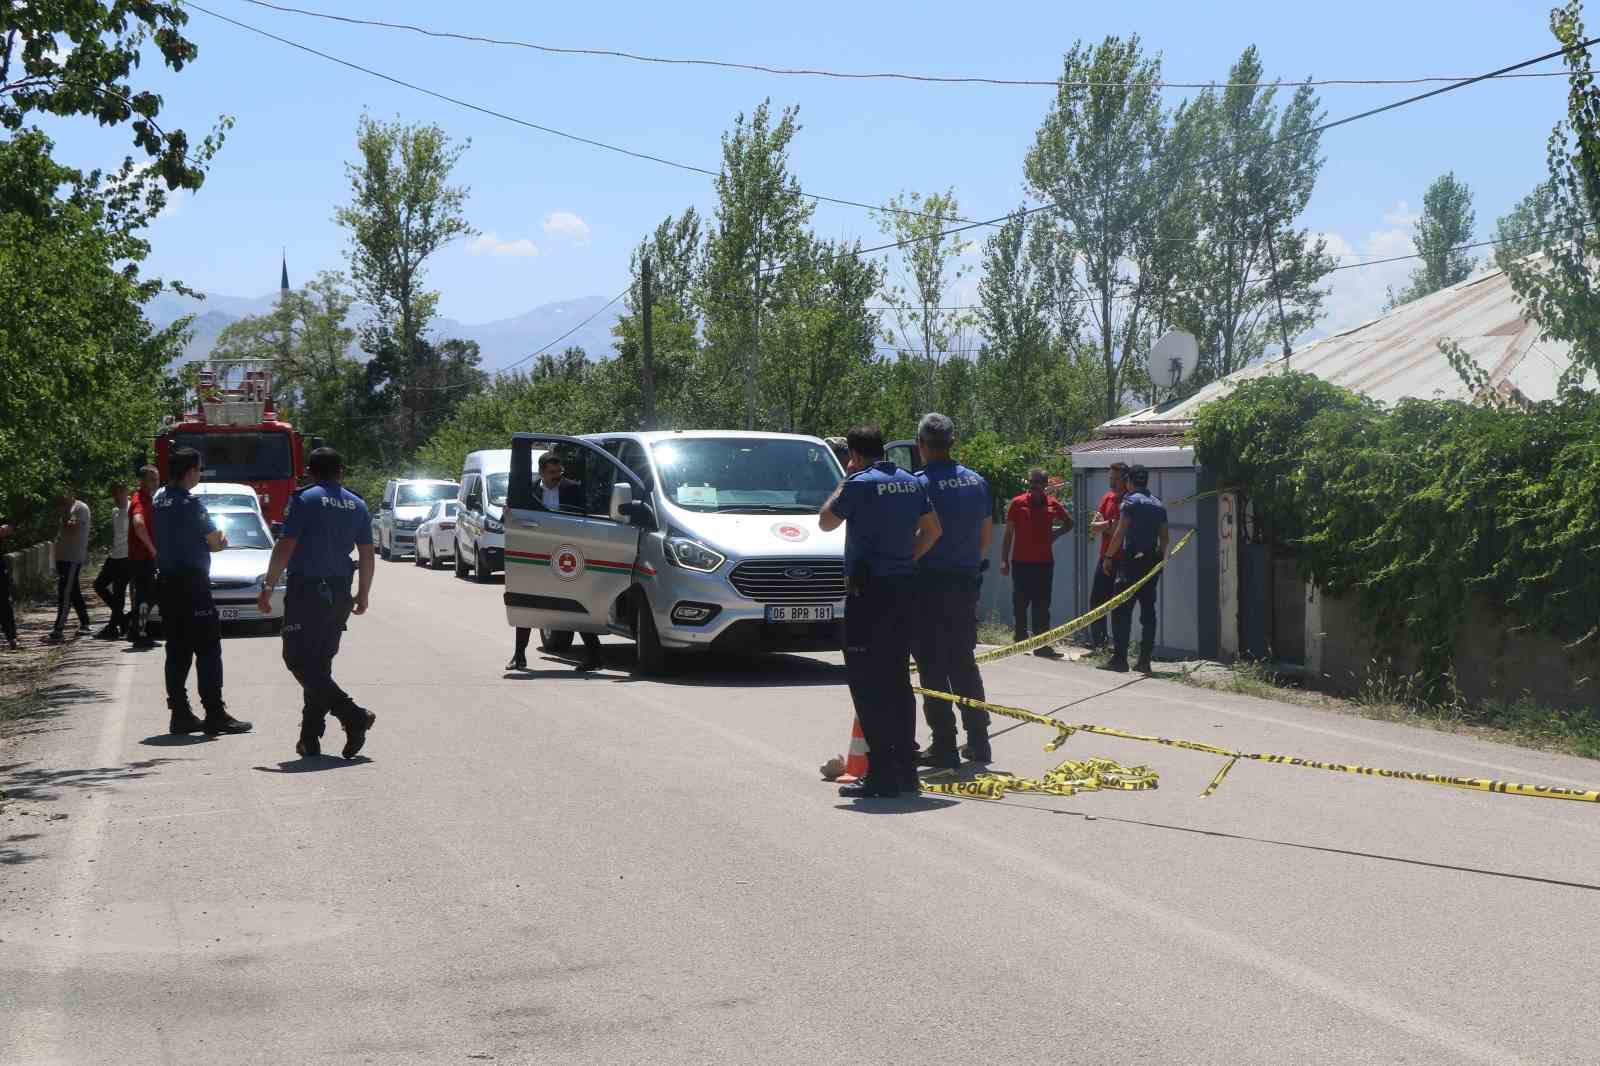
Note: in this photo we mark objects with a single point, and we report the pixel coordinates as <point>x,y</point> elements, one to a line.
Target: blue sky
<point>564,216</point>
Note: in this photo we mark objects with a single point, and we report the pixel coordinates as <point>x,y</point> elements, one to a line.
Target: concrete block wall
<point>31,567</point>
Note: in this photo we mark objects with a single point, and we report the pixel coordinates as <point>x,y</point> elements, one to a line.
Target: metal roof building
<point>1390,358</point>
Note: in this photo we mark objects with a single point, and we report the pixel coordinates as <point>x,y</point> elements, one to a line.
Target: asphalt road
<point>555,868</point>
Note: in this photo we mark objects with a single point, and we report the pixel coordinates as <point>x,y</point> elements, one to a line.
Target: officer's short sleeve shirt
<point>881,506</point>
<point>1145,515</point>
<point>960,497</point>
<point>326,522</point>
<point>182,523</point>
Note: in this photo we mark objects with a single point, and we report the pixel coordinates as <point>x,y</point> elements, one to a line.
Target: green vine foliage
<point>1419,508</point>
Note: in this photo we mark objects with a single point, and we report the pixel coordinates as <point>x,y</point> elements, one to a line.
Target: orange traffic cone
<point>855,765</point>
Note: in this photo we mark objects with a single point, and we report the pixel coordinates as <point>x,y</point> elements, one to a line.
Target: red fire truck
<point>237,432</point>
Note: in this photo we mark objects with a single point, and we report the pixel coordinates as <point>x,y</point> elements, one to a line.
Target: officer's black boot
<point>942,754</point>
<point>219,721</point>
<point>879,782</point>
<point>1143,665</point>
<point>183,720</point>
<point>311,725</point>
<point>907,778</point>
<point>356,723</point>
<point>977,747</point>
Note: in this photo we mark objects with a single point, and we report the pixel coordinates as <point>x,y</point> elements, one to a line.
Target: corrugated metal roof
<point>1397,356</point>
<point>1117,444</point>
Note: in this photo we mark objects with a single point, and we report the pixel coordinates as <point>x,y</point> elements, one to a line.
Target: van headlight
<point>692,555</point>
<point>492,525</point>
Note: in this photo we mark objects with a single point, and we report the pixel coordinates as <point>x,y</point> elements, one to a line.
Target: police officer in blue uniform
<point>948,576</point>
<point>1139,543</point>
<point>889,525</point>
<point>323,523</point>
<point>185,539</point>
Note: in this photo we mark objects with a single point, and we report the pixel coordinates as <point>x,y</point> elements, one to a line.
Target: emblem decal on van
<point>790,532</point>
<point>566,562</point>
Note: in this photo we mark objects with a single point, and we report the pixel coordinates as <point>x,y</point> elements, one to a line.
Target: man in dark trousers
<point>1139,543</point>
<point>891,525</point>
<point>1105,522</point>
<point>142,556</point>
<point>947,596</point>
<point>1034,521</point>
<point>185,539</point>
<point>323,522</point>
<point>71,551</point>
<point>556,493</point>
<point>112,583</point>
<point>8,618</point>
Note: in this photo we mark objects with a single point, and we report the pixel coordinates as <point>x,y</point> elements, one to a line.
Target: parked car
<point>406,502</point>
<point>226,494</point>
<point>683,541</point>
<point>480,536</point>
<point>239,569</point>
<point>436,535</point>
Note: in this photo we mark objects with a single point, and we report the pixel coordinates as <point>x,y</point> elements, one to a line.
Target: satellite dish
<point>1173,358</point>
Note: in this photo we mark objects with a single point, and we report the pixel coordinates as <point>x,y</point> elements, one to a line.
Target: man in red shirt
<point>142,556</point>
<point>1027,555</point>
<point>1105,523</point>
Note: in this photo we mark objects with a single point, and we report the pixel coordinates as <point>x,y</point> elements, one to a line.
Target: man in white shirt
<point>71,551</point>
<point>112,584</point>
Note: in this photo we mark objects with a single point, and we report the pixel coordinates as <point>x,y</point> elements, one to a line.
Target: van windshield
<point>498,484</point>
<point>408,495</point>
<point>750,475</point>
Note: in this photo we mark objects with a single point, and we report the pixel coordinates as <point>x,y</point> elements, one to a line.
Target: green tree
<point>1244,167</point>
<point>922,295</point>
<point>75,58</point>
<point>1096,160</point>
<point>1559,289</point>
<point>1447,223</point>
<point>761,220</point>
<point>1520,232</point>
<point>81,365</point>
<point>402,210</point>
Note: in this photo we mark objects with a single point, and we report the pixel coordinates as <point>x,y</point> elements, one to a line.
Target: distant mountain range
<point>502,342</point>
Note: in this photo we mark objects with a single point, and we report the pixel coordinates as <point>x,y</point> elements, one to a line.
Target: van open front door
<point>566,569</point>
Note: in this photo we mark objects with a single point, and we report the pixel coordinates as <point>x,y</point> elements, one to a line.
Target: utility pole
<point>754,362</point>
<point>649,349</point>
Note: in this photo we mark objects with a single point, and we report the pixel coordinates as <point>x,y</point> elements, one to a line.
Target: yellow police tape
<point>1065,730</point>
<point>1067,779</point>
<point>1083,621</point>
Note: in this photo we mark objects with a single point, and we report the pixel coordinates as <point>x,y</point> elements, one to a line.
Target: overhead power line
<point>812,72</point>
<point>505,117</point>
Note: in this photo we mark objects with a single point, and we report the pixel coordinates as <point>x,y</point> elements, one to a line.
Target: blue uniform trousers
<point>1133,567</point>
<point>877,657</point>
<point>194,636</point>
<point>946,635</point>
<point>315,610</point>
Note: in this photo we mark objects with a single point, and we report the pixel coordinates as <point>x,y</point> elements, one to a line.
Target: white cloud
<point>491,244</point>
<point>1401,215</point>
<point>568,225</point>
<point>1360,294</point>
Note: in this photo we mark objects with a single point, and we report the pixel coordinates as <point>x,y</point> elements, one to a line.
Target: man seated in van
<point>557,493</point>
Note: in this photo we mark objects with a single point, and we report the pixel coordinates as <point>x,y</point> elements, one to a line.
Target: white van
<point>406,502</point>
<point>480,538</point>
<point>684,541</point>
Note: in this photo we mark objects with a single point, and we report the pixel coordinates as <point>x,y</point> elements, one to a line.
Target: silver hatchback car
<point>683,541</point>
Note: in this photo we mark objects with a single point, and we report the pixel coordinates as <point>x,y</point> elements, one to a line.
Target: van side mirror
<point>640,514</point>
<point>621,500</point>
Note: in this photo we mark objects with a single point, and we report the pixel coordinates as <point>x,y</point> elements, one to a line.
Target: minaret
<point>283,286</point>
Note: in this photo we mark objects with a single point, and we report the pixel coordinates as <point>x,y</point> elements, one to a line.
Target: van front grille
<point>790,580</point>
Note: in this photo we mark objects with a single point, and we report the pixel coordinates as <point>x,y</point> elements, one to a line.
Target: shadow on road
<point>897,805</point>
<point>315,764</point>
<point>711,670</point>
<point>12,855</point>
<point>1326,850</point>
<point>176,740</point>
<point>26,781</point>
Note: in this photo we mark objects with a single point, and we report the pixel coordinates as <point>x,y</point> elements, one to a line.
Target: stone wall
<point>1492,661</point>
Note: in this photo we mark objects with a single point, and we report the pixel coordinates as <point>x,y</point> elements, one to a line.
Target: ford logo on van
<point>798,573</point>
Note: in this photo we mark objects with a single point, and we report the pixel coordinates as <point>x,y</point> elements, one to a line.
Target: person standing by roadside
<point>185,539</point>
<point>112,583</point>
<point>8,617</point>
<point>142,556</point>
<point>324,522</point>
<point>947,596</point>
<point>1105,522</point>
<point>891,525</point>
<point>71,552</point>
<point>1034,521</point>
<point>1137,546</point>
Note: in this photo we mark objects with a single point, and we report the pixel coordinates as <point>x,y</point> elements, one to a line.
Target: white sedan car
<point>239,569</point>
<point>436,534</point>
<point>226,495</point>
